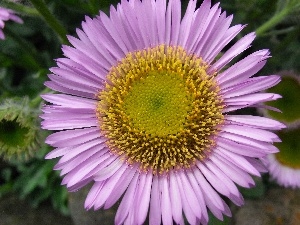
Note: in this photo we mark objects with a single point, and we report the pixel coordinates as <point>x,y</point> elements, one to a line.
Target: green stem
<point>20,8</point>
<point>282,31</point>
<point>50,19</point>
<point>272,22</point>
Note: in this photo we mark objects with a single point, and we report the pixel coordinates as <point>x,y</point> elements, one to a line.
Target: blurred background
<point>30,190</point>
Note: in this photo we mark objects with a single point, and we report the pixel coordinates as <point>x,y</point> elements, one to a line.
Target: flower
<point>284,166</point>
<point>5,15</point>
<point>289,89</point>
<point>143,112</point>
<point>284,175</point>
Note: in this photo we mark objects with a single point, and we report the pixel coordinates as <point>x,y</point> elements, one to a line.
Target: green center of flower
<point>289,154</point>
<point>158,104</point>
<point>160,109</point>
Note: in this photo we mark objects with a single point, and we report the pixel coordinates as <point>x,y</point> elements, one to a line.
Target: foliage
<point>36,181</point>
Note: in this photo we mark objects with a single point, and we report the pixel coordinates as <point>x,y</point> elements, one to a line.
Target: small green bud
<point>19,130</point>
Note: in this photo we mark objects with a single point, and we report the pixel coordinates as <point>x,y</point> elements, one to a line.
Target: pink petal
<point>250,86</point>
<point>165,201</point>
<point>56,86</point>
<point>109,184</point>
<point>199,26</point>
<point>93,195</point>
<point>237,160</point>
<point>189,214</point>
<point>243,69</point>
<point>203,215</point>
<point>240,148</point>
<point>234,173</point>
<point>127,201</point>
<point>212,199</point>
<point>235,50</point>
<point>57,153</point>
<point>72,137</point>
<point>255,122</point>
<point>143,200</point>
<point>175,198</point>
<point>115,167</point>
<point>254,133</point>
<point>120,187</point>
<point>155,203</point>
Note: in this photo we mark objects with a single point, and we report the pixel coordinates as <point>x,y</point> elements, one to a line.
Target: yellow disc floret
<point>160,109</point>
<point>158,104</point>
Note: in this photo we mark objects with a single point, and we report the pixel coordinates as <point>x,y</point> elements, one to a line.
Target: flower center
<point>160,109</point>
<point>289,154</point>
<point>158,104</point>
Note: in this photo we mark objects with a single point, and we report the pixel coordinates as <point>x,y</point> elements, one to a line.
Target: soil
<point>14,211</point>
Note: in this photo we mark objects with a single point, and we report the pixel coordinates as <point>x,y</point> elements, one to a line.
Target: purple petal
<point>72,137</point>
<point>240,148</point>
<point>243,69</point>
<point>265,147</point>
<point>109,184</point>
<point>70,124</point>
<point>254,133</point>
<point>250,86</point>
<point>212,199</point>
<point>93,195</point>
<point>211,21</point>
<point>115,167</point>
<point>175,198</point>
<point>57,153</point>
<point>236,174</point>
<point>255,122</point>
<point>198,27</point>
<point>200,198</point>
<point>237,160</point>
<point>235,50</point>
<point>143,200</point>
<point>186,23</point>
<point>155,203</point>
<point>56,86</point>
<point>127,201</point>
<point>120,187</point>
<point>165,201</point>
<point>189,214</point>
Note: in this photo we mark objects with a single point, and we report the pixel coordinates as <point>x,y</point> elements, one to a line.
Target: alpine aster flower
<point>289,89</point>
<point>5,15</point>
<point>283,173</point>
<point>143,112</point>
<point>284,166</point>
